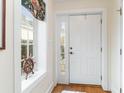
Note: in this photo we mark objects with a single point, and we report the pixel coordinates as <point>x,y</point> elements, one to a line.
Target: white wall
<point>6,56</point>
<point>7,76</point>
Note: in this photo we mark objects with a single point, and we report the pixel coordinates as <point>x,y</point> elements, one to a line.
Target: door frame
<point>105,65</point>
<point>121,47</point>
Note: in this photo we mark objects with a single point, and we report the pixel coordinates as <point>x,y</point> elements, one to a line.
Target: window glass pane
<point>24,41</point>
<point>24,34</point>
<point>23,51</point>
<point>27,40</point>
<point>27,36</point>
<point>31,50</point>
<point>30,34</point>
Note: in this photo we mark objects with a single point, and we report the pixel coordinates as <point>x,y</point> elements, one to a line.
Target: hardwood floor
<point>77,87</point>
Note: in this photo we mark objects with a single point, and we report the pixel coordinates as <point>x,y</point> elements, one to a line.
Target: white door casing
<point>105,74</point>
<point>85,40</point>
<point>116,46</point>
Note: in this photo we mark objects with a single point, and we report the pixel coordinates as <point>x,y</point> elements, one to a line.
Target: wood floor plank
<point>78,87</point>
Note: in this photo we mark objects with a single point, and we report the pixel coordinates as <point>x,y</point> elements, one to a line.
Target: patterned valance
<point>36,7</point>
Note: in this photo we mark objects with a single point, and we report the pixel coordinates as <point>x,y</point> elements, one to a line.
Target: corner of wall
<point>51,87</point>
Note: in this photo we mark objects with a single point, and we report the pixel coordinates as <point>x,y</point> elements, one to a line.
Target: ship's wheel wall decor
<point>28,66</point>
<point>36,7</point>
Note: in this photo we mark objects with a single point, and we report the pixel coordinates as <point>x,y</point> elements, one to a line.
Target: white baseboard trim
<point>114,90</point>
<point>51,87</point>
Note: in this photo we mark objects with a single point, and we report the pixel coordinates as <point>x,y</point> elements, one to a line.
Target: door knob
<point>71,53</point>
<point>70,47</point>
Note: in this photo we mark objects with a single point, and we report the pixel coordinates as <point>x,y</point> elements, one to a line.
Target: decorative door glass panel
<point>62,46</point>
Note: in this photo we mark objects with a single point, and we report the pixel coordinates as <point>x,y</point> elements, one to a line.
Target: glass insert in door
<point>62,46</point>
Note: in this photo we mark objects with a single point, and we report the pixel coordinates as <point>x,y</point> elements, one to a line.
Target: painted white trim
<point>121,46</point>
<point>35,81</point>
<point>114,90</point>
<point>56,53</point>
<point>51,87</point>
<point>105,67</point>
<point>17,45</point>
<point>122,60</point>
<point>81,11</point>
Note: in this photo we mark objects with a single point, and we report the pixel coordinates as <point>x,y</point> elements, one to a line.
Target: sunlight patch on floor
<point>71,92</point>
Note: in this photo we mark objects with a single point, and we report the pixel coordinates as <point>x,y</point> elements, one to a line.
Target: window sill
<point>30,83</point>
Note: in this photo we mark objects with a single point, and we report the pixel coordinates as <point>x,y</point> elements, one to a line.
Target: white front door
<point>85,49</point>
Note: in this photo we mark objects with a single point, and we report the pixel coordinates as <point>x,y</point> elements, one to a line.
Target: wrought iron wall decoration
<point>27,66</point>
<point>2,23</point>
<point>36,7</point>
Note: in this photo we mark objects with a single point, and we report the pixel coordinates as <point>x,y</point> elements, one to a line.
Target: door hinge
<point>120,11</point>
<point>101,21</point>
<point>101,78</point>
<point>120,51</point>
<point>101,49</point>
<point>120,90</point>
